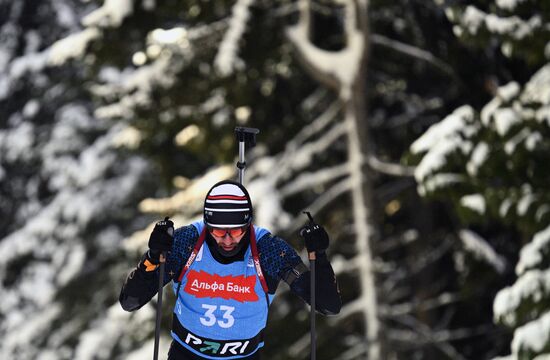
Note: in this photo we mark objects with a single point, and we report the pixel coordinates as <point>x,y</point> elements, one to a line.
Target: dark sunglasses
<point>233,232</point>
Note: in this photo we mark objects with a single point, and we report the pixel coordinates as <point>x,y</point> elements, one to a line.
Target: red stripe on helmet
<point>226,197</point>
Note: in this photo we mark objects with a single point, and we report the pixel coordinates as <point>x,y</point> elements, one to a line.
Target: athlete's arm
<point>327,295</point>
<point>142,282</point>
<point>281,262</point>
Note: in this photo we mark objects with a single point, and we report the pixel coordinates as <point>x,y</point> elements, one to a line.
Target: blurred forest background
<point>416,131</point>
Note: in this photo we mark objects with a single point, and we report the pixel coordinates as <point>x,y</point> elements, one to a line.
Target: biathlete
<point>224,272</point>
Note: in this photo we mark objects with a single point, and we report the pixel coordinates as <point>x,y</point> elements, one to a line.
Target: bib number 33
<point>211,316</point>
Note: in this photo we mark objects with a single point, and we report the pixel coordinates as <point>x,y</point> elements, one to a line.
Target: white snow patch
<point>472,19</point>
<point>531,254</point>
<point>537,90</point>
<point>477,159</point>
<point>227,52</point>
<point>475,202</point>
<point>111,14</point>
<point>508,4</point>
<point>511,145</point>
<point>71,47</point>
<point>533,336</point>
<point>533,140</point>
<point>533,284</point>
<point>524,203</point>
<point>481,250</point>
<point>450,125</point>
<point>31,108</point>
<point>72,265</point>
<point>505,206</point>
<point>505,119</point>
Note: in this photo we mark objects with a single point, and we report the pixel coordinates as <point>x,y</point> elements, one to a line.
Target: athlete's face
<point>227,239</point>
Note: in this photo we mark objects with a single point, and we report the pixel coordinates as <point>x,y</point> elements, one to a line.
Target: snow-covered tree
<point>492,163</point>
<point>67,194</point>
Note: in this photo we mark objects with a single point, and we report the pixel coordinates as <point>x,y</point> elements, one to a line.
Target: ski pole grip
<point>247,135</point>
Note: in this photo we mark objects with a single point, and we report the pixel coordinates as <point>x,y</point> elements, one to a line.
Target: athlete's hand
<point>161,239</point>
<point>315,237</point>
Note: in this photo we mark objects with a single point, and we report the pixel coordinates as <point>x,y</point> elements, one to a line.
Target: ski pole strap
<point>256,259</point>
<point>193,255</point>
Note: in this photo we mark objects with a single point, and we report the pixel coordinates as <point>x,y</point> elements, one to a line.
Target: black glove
<point>161,239</point>
<point>315,236</point>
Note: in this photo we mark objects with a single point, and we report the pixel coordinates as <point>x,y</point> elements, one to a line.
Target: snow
<point>531,255</point>
<point>505,206</point>
<point>524,203</point>
<point>72,264</point>
<point>438,181</point>
<point>111,14</point>
<point>26,330</point>
<point>66,17</point>
<point>511,145</point>
<point>268,208</point>
<point>533,140</point>
<point>508,4</point>
<point>177,35</point>
<point>505,119</point>
<point>226,58</point>
<point>512,26</point>
<point>478,158</point>
<point>537,89</point>
<point>482,250</point>
<point>533,336</point>
<point>187,134</point>
<point>472,19</point>
<point>128,137</point>
<point>474,202</point>
<point>15,142</point>
<point>441,140</point>
<point>98,341</point>
<point>71,47</point>
<point>453,123</point>
<point>533,285</point>
<point>509,91</point>
<point>31,108</point>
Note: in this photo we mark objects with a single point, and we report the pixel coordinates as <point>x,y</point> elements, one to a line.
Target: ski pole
<point>246,138</point>
<point>312,257</point>
<point>162,260</point>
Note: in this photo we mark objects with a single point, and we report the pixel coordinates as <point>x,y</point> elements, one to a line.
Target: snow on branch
<point>481,250</point>
<point>531,290</point>
<point>111,14</point>
<point>389,168</point>
<point>226,58</point>
<point>533,254</point>
<point>412,51</point>
<point>533,337</point>
<point>72,47</point>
